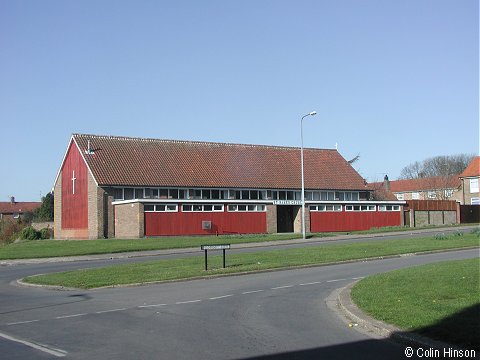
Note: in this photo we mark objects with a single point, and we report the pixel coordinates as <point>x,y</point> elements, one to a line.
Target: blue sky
<point>394,81</point>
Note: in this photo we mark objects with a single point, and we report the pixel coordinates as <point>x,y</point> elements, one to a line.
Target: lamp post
<point>303,176</point>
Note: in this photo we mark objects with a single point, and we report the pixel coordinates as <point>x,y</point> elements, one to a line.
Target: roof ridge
<point>194,142</point>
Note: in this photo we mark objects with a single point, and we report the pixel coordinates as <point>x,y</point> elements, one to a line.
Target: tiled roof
<point>18,207</point>
<point>473,169</point>
<point>424,184</point>
<point>381,193</point>
<point>153,162</point>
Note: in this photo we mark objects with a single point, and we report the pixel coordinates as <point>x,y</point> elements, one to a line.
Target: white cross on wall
<point>73,182</point>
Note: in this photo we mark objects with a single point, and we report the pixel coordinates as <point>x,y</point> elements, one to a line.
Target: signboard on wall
<point>287,202</point>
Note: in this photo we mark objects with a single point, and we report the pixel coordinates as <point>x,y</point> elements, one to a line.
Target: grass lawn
<point>184,268</point>
<point>440,300</point>
<point>55,248</point>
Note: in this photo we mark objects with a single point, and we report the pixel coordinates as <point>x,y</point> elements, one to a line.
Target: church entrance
<point>286,215</point>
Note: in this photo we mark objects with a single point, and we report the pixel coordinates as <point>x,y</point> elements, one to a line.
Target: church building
<point>121,187</point>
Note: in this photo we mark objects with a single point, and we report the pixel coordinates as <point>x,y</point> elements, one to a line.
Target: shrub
<point>46,233</point>
<point>29,233</point>
<point>476,231</point>
<point>9,230</point>
<point>440,236</point>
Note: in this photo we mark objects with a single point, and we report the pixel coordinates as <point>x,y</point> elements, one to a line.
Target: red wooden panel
<point>74,205</point>
<point>190,223</point>
<point>354,220</point>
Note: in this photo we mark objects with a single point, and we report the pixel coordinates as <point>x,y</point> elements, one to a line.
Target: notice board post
<point>222,247</point>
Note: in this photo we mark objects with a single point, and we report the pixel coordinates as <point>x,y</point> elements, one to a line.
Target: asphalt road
<point>259,316</point>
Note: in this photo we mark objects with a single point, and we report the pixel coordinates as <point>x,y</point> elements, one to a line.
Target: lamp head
<point>312,113</point>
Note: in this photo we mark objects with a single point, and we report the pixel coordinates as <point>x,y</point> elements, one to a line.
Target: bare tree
<point>443,166</point>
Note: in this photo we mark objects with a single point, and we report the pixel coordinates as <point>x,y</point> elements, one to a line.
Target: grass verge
<point>192,267</point>
<point>440,301</point>
<point>57,248</point>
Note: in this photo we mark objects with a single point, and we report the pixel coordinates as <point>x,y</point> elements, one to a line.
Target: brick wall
<point>129,221</point>
<point>271,219</point>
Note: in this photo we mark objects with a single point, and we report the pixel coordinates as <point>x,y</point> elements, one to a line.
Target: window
<point>432,195</point>
<point>326,195</point>
<point>360,207</point>
<point>400,196</point>
<point>448,193</point>
<point>250,208</point>
<point>160,208</point>
<point>151,193</point>
<point>173,193</point>
<point>475,201</point>
<point>118,194</point>
<point>163,193</point>
<point>202,208</point>
<point>388,207</point>
<point>329,207</point>
<point>474,186</point>
<point>415,196</point>
<point>128,194</point>
<point>139,193</point>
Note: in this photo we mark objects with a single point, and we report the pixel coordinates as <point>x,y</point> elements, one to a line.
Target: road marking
<point>281,287</point>
<point>153,305</point>
<point>69,316</point>
<point>187,302</point>
<point>221,297</point>
<point>45,348</point>
<point>251,292</point>
<point>109,311</point>
<point>310,283</point>
<point>358,278</point>
<point>22,322</point>
<point>329,281</point>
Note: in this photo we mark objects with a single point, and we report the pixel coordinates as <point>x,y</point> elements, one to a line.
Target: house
<point>14,210</point>
<point>429,188</point>
<point>124,187</point>
<point>470,179</point>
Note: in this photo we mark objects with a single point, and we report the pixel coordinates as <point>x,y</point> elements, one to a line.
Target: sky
<point>395,81</point>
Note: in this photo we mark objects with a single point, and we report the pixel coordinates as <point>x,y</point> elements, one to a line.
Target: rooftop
<point>126,161</point>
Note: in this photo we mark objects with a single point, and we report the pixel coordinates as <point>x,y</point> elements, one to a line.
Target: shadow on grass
<point>461,329</point>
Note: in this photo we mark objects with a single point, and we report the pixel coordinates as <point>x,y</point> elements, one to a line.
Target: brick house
<point>470,179</point>
<point>429,188</point>
<point>132,187</point>
<point>14,210</point>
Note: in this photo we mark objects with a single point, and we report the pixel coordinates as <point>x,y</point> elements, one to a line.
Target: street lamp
<point>303,176</point>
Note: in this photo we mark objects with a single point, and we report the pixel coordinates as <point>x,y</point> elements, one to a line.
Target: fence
<point>431,212</point>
